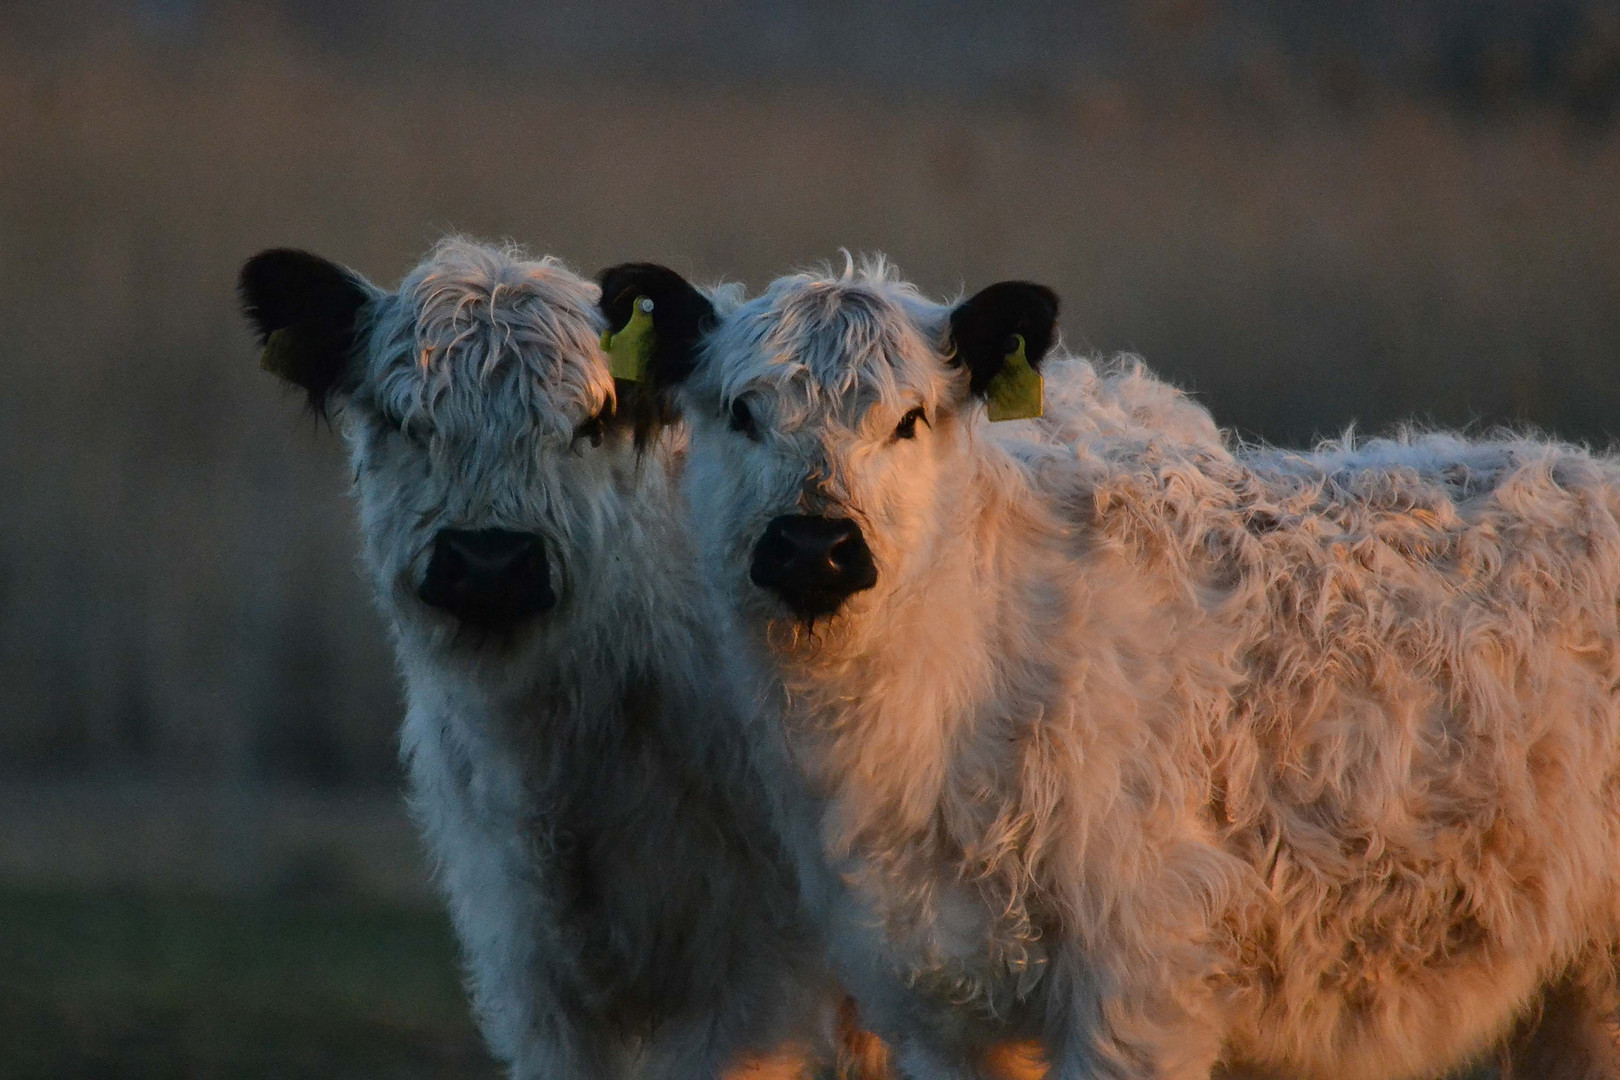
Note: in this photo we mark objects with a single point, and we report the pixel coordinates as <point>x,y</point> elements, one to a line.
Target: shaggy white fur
<point>1169,752</point>
<point>622,907</point>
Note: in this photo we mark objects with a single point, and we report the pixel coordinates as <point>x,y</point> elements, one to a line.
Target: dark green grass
<point>120,986</point>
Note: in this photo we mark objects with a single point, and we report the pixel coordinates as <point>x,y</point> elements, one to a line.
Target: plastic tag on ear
<point>1016,392</point>
<point>277,357</point>
<point>630,348</point>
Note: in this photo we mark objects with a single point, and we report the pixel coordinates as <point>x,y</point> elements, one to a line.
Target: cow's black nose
<point>488,577</point>
<point>813,563</point>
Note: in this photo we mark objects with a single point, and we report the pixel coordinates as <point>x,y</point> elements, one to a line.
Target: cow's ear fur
<point>983,325</point>
<point>681,316</point>
<point>311,306</point>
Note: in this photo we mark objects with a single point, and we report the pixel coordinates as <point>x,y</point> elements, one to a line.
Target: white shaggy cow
<point>1174,756</point>
<point>622,906</point>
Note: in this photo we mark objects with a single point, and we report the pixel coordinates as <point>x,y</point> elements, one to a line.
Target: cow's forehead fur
<point>482,342</point>
<point>830,344</point>
<point>478,372</point>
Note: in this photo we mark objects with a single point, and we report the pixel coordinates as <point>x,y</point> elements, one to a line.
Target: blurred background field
<point>159,985</point>
<point>1310,213</point>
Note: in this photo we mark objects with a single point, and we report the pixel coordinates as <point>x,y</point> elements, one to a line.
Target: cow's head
<point>832,421</point>
<point>492,463</point>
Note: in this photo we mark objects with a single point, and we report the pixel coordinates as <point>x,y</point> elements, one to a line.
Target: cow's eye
<point>742,419</point>
<point>907,427</point>
<point>594,428</point>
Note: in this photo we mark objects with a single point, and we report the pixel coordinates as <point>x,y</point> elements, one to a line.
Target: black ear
<point>982,327</point>
<point>310,307</point>
<point>681,316</point>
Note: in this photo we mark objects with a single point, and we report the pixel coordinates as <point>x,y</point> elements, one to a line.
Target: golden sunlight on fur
<point>1016,1061</point>
<point>1174,753</point>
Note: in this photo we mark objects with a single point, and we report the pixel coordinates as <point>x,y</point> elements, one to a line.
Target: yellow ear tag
<point>629,349</point>
<point>278,353</point>
<point>1016,392</point>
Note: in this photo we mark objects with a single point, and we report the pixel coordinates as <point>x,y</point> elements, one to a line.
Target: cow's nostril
<point>449,556</point>
<point>528,563</point>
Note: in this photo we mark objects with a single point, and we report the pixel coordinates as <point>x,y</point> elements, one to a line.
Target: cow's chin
<point>496,641</point>
<point>817,637</point>
<point>486,645</point>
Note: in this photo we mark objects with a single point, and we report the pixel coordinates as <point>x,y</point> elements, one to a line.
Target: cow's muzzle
<point>489,578</point>
<point>813,563</point>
